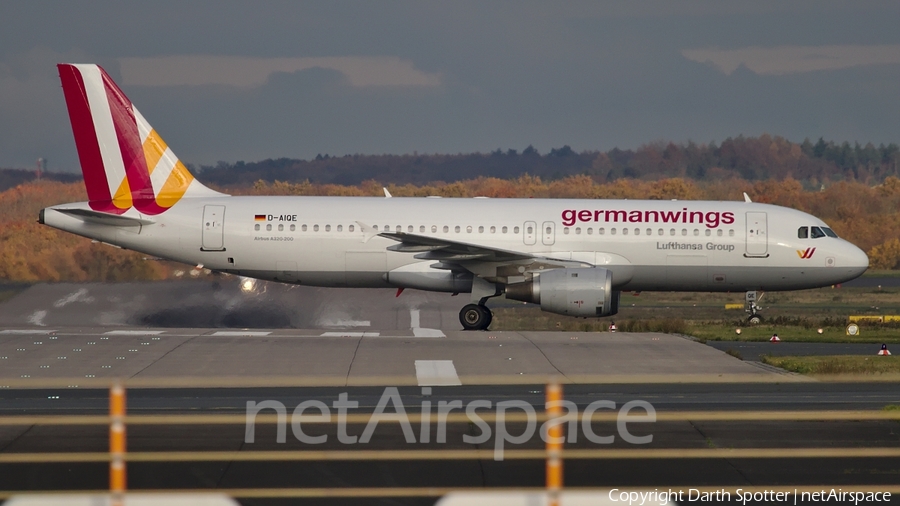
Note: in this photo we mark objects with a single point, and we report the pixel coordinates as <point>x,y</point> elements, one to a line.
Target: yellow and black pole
<point>555,439</point>
<point>117,480</point>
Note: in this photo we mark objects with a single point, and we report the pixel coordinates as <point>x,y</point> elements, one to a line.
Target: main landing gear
<point>475,317</point>
<point>478,316</point>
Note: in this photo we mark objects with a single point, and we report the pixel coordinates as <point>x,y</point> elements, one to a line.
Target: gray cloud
<point>795,59</point>
<point>243,71</point>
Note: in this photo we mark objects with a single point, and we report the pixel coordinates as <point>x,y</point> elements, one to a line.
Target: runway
<point>351,357</point>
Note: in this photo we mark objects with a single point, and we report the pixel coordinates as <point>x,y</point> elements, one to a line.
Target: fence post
<point>117,479</point>
<point>555,438</point>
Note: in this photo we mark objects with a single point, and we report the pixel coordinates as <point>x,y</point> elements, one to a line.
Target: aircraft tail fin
<point>124,160</point>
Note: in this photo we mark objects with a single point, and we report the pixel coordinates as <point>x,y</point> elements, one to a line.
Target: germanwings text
<point>711,219</point>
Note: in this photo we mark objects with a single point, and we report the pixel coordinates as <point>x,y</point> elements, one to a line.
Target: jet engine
<point>578,291</point>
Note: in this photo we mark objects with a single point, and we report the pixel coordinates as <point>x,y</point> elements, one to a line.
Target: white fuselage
<point>333,241</point>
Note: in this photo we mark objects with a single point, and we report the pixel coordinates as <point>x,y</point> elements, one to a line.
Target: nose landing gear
<point>475,317</point>
<point>751,299</point>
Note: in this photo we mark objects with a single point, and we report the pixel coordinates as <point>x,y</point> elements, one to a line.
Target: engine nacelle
<point>578,291</point>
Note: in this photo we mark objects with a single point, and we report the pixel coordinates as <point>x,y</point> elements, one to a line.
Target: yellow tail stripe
<point>122,198</point>
<point>175,186</point>
<point>154,147</point>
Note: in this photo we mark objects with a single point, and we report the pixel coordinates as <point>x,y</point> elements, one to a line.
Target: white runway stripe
<point>239,333</point>
<point>27,331</point>
<point>351,334</point>
<point>134,332</point>
<point>436,373</point>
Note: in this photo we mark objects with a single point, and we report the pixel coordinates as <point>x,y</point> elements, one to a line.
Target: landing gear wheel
<point>475,317</point>
<point>754,319</point>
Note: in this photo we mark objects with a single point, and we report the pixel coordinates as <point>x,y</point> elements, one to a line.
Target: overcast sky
<point>240,80</point>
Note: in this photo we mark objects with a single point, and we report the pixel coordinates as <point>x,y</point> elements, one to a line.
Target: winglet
<point>747,197</point>
<point>387,194</point>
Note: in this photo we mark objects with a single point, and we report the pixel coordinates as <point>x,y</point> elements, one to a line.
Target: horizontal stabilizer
<point>104,218</point>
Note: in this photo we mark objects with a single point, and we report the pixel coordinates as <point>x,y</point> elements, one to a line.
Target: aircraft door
<point>757,234</point>
<point>529,233</point>
<point>213,228</point>
<point>549,233</point>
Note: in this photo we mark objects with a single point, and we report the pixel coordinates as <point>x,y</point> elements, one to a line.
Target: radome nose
<point>856,259</point>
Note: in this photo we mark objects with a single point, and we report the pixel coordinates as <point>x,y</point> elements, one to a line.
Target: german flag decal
<point>260,217</point>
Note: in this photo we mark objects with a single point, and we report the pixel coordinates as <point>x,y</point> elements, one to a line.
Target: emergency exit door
<point>757,235</point>
<point>213,228</point>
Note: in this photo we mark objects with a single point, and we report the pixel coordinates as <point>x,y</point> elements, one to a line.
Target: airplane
<point>571,257</point>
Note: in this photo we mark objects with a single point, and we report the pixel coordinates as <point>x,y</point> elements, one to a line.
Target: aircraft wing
<point>462,253</point>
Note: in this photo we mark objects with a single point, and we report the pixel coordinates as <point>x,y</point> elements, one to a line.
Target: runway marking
<point>436,373</point>
<point>351,334</point>
<point>240,333</point>
<point>27,331</point>
<point>133,332</point>
<point>415,321</point>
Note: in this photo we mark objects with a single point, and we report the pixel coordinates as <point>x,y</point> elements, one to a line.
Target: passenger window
<point>315,228</point>
<point>624,231</point>
<point>719,232</point>
<point>731,232</point>
<point>548,231</point>
<point>269,227</point>
<point>469,229</point>
<point>434,229</point>
<point>696,232</point>
<point>456,229</point>
<point>590,231</point>
<point>399,228</point>
<point>649,231</point>
<point>829,232</point>
<point>803,233</point>
<point>493,230</point>
<point>708,232</point>
<point>530,230</point>
<point>328,228</point>
<point>660,232</point>
<point>612,231</point>
<point>303,228</point>
<point>350,228</point>
<point>387,228</point>
<point>503,230</point>
<point>293,227</point>
<point>565,231</point>
<point>637,231</point>
<point>280,227</point>
<point>410,229</point>
<point>816,232</point>
<point>515,230</point>
<point>684,231</point>
<point>446,229</point>
<point>340,228</point>
<point>480,230</point>
<point>601,231</point>
<point>256,227</point>
<point>421,229</point>
<point>577,230</point>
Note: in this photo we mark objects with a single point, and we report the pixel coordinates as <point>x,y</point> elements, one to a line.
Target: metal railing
<point>554,453</point>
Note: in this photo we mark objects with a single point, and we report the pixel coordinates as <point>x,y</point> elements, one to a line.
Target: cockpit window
<point>817,232</point>
<point>803,233</point>
<point>829,232</point>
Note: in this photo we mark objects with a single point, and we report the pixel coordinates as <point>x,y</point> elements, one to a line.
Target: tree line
<point>751,158</point>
